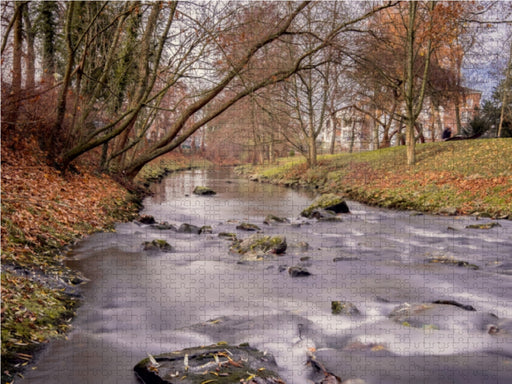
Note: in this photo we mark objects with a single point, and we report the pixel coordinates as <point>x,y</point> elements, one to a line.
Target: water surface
<point>141,302</point>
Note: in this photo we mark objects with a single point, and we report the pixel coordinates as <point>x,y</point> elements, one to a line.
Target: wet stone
<point>189,228</point>
<point>157,245</point>
<point>484,226</point>
<point>216,364</point>
<point>248,227</point>
<point>441,315</point>
<point>164,226</point>
<point>344,258</point>
<point>329,202</point>
<point>324,215</point>
<point>344,308</point>
<point>450,261</point>
<point>203,191</point>
<point>271,219</point>
<point>228,236</point>
<point>146,219</point>
<point>259,246</point>
<point>298,271</point>
<point>206,229</point>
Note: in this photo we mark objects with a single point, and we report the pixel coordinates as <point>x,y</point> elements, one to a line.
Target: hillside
<point>454,177</point>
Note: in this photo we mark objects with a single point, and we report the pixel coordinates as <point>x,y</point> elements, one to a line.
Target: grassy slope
<point>463,177</point>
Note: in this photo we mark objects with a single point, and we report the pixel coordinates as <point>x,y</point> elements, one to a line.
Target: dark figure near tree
<point>447,133</point>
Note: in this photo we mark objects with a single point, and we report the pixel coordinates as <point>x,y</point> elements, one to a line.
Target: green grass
<point>464,177</point>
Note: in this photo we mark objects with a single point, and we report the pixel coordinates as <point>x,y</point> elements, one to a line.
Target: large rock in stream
<point>203,191</point>
<point>257,247</point>
<point>216,364</point>
<point>328,202</point>
<point>443,315</point>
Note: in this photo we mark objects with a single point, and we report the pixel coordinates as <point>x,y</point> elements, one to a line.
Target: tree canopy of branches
<point>131,81</point>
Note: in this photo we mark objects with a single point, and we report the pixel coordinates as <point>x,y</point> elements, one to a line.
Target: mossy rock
<point>189,228</point>
<point>484,226</point>
<point>258,247</point>
<point>344,308</point>
<point>228,236</point>
<point>147,219</point>
<point>248,227</point>
<point>270,219</point>
<point>206,229</point>
<point>267,244</point>
<point>328,202</point>
<point>157,245</point>
<point>202,191</point>
<point>298,271</point>
<point>450,261</point>
<point>164,226</point>
<point>217,364</point>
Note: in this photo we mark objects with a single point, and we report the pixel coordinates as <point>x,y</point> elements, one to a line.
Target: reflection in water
<point>139,302</point>
<point>235,198</point>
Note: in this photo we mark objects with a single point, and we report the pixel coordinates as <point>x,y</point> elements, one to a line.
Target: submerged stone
<point>206,229</point>
<point>269,219</point>
<point>258,246</point>
<point>441,315</point>
<point>189,228</point>
<point>329,202</point>
<point>298,271</point>
<point>454,262</point>
<point>484,226</point>
<point>157,245</point>
<point>199,190</point>
<point>165,226</point>
<point>216,364</point>
<point>228,235</point>
<point>146,219</point>
<point>248,227</point>
<point>344,308</point>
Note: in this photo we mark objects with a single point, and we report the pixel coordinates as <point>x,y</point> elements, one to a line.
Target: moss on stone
<point>328,202</point>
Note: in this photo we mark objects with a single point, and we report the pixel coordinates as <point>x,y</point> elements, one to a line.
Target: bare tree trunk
<point>312,151</point>
<point>334,133</point>
<point>11,116</point>
<point>61,98</point>
<point>414,98</point>
<point>271,150</point>
<point>506,91</point>
<point>30,57</point>
<point>352,136</point>
<point>457,116</point>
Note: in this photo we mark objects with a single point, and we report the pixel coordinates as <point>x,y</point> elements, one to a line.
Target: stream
<point>140,302</point>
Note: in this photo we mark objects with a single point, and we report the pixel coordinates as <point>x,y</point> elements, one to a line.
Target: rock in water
<point>269,219</point>
<point>344,308</point>
<point>199,190</point>
<point>298,271</point>
<point>223,363</point>
<point>157,245</point>
<point>484,226</point>
<point>146,219</point>
<point>328,202</point>
<point>261,244</point>
<point>248,227</point>
<point>189,228</point>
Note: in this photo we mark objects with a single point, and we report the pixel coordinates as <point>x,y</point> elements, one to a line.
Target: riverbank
<point>43,213</point>
<point>472,177</point>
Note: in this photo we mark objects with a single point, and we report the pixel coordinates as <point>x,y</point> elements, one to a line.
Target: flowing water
<point>140,302</point>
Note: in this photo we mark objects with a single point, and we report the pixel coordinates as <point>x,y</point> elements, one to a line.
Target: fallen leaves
<point>41,212</point>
